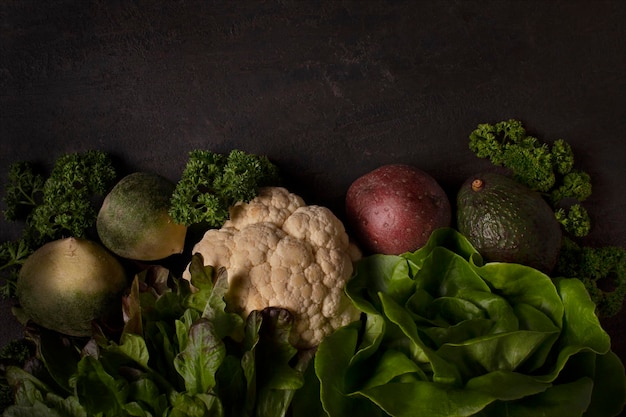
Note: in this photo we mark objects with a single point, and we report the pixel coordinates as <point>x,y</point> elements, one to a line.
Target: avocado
<point>508,222</point>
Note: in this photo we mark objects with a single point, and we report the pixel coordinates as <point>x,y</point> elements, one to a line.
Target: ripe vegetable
<point>395,208</point>
<point>508,222</point>
<point>67,283</point>
<point>134,223</point>
<point>280,252</point>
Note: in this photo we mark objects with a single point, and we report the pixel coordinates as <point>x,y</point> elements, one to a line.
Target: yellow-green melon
<point>133,221</point>
<point>68,283</point>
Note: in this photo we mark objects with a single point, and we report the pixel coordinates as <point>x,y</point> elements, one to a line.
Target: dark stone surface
<point>328,89</point>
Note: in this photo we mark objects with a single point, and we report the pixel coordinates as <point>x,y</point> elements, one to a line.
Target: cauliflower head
<point>281,252</point>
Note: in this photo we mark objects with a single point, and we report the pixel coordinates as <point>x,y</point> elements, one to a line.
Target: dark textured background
<point>328,90</point>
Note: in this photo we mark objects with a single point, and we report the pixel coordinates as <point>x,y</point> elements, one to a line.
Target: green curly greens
<point>17,351</point>
<point>601,269</point>
<point>12,256</point>
<point>507,144</point>
<point>213,182</point>
<point>23,192</point>
<point>563,156</point>
<point>67,208</point>
<point>543,168</point>
<point>180,352</point>
<point>574,185</point>
<point>575,219</point>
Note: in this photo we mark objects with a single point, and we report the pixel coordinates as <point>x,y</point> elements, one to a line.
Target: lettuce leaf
<point>447,335</point>
<point>181,352</point>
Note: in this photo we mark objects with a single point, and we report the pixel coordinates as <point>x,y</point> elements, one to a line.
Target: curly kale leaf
<point>67,207</point>
<point>601,269</point>
<point>23,190</point>
<point>531,163</point>
<point>562,156</point>
<point>575,220</point>
<point>507,144</point>
<point>12,256</point>
<point>243,174</point>
<point>211,183</point>
<point>575,185</point>
<point>17,351</point>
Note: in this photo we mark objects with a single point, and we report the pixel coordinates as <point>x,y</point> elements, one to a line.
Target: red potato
<point>395,208</point>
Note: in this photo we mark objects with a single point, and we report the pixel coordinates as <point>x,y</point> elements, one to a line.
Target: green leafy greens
<point>67,206</point>
<point>213,182</point>
<point>601,269</point>
<point>180,353</point>
<point>446,335</point>
<point>443,334</point>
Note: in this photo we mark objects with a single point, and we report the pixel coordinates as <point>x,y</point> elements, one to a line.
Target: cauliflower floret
<point>271,205</point>
<point>280,252</point>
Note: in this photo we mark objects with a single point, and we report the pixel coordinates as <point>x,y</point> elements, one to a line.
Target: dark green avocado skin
<point>508,222</point>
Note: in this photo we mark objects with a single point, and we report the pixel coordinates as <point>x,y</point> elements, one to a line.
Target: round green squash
<point>133,221</point>
<point>68,283</point>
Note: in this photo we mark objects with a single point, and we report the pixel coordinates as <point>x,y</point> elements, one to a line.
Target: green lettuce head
<point>446,335</point>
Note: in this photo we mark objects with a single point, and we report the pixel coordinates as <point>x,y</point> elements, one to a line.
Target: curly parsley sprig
<point>67,208</point>
<point>601,269</point>
<point>12,256</point>
<point>213,182</point>
<point>24,190</point>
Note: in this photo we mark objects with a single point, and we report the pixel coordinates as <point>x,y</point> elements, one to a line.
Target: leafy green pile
<point>445,335</point>
<point>180,353</point>
<point>442,333</point>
